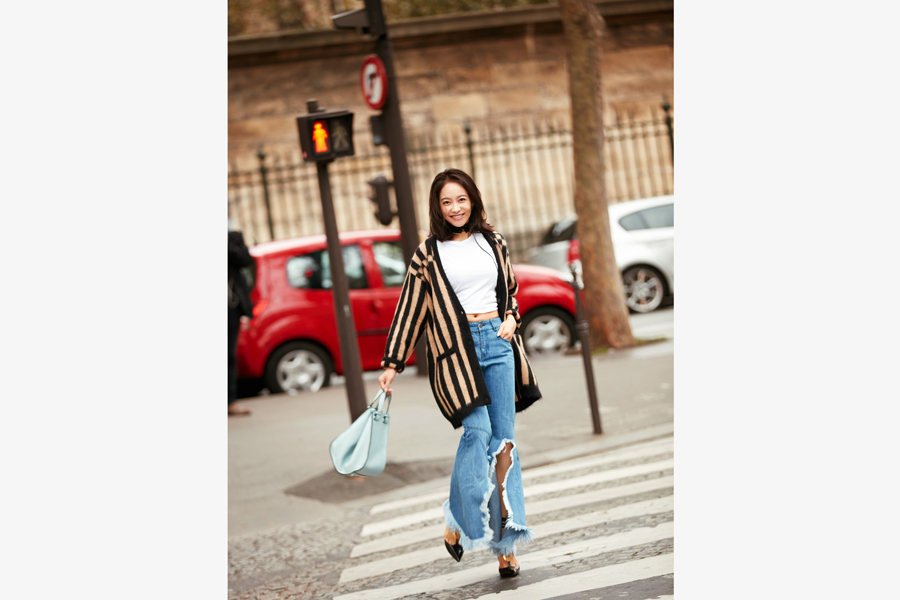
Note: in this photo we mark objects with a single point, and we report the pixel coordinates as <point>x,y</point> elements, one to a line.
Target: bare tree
<point>604,297</point>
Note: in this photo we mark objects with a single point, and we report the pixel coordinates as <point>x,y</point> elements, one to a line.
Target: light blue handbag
<point>362,448</point>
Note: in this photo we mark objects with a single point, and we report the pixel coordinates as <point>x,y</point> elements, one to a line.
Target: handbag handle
<point>379,399</point>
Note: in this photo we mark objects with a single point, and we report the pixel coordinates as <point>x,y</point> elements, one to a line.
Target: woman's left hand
<point>507,328</point>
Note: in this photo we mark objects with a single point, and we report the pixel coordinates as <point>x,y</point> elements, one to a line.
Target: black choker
<point>465,228</point>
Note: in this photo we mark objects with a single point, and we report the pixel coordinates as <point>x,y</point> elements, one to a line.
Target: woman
<point>459,283</point>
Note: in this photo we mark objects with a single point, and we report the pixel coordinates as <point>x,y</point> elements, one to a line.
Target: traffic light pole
<point>356,393</point>
<point>393,123</point>
<point>393,133</point>
<point>370,20</point>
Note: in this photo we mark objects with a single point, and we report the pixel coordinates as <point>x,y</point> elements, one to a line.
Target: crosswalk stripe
<point>398,540</point>
<point>534,560</point>
<point>636,509</point>
<point>629,452</point>
<point>398,504</point>
<point>630,489</point>
<point>596,461</point>
<point>412,559</point>
<point>401,521</point>
<point>601,477</point>
<point>437,531</point>
<point>532,490</point>
<point>593,579</point>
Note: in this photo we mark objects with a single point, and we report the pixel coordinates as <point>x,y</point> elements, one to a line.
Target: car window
<point>389,256</point>
<point>313,271</point>
<point>632,222</point>
<point>305,271</point>
<point>659,216</point>
<point>650,218</point>
<point>562,231</point>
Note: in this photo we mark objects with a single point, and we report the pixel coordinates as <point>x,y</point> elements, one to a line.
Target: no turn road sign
<point>374,83</point>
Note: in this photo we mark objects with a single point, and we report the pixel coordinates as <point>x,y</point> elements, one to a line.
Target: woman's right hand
<point>386,378</point>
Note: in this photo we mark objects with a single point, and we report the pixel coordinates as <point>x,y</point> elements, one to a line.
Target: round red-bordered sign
<point>373,81</point>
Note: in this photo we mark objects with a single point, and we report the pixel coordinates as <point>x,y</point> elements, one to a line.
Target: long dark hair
<point>440,229</point>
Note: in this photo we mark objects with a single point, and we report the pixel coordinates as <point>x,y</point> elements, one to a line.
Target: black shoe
<point>510,571</point>
<point>456,550</point>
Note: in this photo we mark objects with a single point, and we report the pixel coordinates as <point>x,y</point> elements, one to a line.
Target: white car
<point>643,236</point>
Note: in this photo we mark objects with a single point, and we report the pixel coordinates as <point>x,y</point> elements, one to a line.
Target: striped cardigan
<point>428,305</point>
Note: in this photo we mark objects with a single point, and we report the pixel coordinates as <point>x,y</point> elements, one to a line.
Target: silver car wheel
<point>644,289</point>
<point>300,370</point>
<point>546,333</point>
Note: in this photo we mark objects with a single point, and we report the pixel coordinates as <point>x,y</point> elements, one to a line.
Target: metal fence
<point>523,168</point>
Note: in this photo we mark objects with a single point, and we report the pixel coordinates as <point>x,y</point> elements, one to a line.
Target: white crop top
<point>472,271</point>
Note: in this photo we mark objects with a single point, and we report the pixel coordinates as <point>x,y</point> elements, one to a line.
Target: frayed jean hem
<point>468,544</point>
<point>512,535</point>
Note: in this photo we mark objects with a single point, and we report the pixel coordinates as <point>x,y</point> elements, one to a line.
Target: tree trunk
<point>604,296</point>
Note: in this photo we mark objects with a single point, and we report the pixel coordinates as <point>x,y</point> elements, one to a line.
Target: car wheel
<point>644,289</point>
<point>547,329</point>
<point>298,366</point>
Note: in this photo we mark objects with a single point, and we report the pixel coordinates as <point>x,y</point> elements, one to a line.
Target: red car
<point>292,344</point>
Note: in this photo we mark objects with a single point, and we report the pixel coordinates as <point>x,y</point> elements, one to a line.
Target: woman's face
<point>455,204</point>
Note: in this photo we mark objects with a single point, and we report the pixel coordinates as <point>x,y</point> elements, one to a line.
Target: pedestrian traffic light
<point>382,200</point>
<point>325,136</point>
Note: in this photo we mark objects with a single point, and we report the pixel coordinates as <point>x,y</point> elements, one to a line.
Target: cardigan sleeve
<point>513,308</point>
<point>409,318</point>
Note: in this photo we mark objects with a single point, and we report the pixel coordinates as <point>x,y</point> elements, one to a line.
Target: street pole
<point>468,129</point>
<point>370,21</point>
<point>265,185</point>
<point>666,108</point>
<point>393,130</point>
<point>356,393</point>
<point>581,326</point>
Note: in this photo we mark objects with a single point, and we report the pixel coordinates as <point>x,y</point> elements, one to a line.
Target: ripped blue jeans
<point>473,508</point>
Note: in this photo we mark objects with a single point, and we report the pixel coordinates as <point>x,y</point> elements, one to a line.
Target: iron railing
<point>523,168</point>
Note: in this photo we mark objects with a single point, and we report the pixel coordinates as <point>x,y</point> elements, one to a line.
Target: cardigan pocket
<point>444,355</point>
<point>442,383</point>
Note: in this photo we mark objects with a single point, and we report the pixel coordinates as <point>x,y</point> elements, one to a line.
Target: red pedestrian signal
<point>325,136</point>
<point>320,137</point>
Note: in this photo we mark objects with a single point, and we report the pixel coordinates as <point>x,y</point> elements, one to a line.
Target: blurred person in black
<point>239,308</point>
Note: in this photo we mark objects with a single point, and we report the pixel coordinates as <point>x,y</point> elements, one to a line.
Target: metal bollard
<point>581,326</point>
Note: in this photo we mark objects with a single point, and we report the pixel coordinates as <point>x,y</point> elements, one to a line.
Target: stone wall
<point>474,73</point>
<point>501,72</point>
